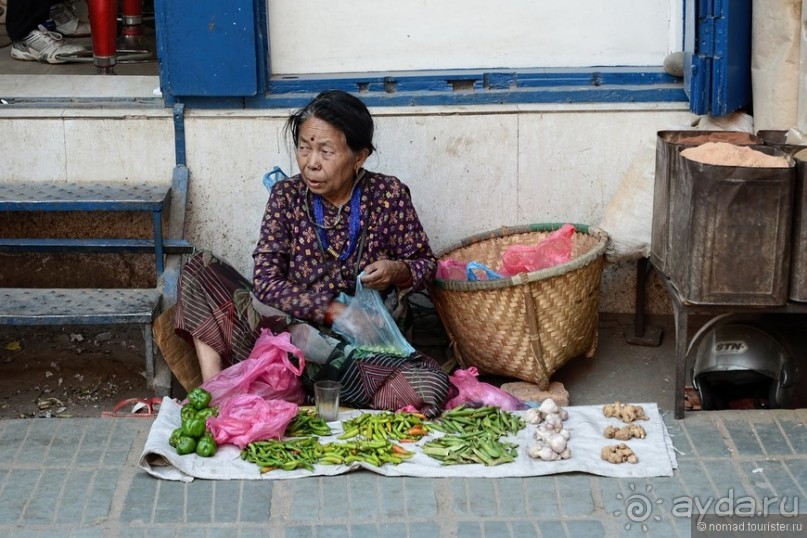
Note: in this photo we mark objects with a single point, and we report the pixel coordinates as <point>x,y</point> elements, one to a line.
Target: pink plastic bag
<point>451,270</point>
<point>477,393</point>
<point>245,418</point>
<point>555,249</point>
<point>267,372</point>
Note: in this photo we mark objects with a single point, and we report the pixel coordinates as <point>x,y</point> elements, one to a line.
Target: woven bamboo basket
<point>529,325</point>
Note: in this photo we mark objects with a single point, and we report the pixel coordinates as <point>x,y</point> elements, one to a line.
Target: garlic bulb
<point>547,454</point>
<point>533,416</point>
<point>558,443</point>
<point>548,407</point>
<point>553,422</point>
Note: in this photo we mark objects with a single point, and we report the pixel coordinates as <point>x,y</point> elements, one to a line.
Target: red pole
<point>132,16</point>
<point>104,27</point>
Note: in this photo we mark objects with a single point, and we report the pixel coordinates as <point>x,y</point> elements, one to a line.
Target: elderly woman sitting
<point>321,229</point>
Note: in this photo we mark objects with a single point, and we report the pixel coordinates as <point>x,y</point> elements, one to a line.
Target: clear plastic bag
<point>267,372</point>
<point>475,393</point>
<point>555,249</point>
<point>367,324</point>
<point>317,347</point>
<point>245,418</point>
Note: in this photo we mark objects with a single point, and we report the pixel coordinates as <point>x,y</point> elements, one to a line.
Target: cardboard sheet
<point>585,425</point>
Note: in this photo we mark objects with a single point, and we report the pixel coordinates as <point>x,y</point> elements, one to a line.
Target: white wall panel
<point>119,149</point>
<point>18,159</point>
<point>333,36</point>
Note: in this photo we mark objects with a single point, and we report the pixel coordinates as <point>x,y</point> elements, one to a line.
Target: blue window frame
<point>215,54</point>
<point>717,76</point>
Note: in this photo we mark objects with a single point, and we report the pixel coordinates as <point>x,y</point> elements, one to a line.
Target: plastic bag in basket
<point>555,249</point>
<point>479,271</point>
<point>245,418</point>
<point>451,270</point>
<point>477,393</point>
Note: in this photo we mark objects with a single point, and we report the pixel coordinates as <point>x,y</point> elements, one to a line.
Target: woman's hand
<point>382,274</point>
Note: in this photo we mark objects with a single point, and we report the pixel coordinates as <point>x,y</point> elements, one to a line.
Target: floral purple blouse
<point>292,271</point>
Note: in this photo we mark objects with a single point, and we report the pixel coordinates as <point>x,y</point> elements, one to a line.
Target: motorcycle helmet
<point>749,359</point>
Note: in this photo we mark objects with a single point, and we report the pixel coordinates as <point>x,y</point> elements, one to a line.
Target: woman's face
<point>326,162</point>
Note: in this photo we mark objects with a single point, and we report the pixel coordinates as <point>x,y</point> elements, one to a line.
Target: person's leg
<point>209,359</point>
<point>23,16</point>
<point>213,310</point>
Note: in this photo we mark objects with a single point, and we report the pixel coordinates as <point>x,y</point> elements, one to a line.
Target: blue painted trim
<point>158,241</point>
<point>470,87</point>
<point>179,134</point>
<point>454,80</point>
<point>262,44</point>
<point>169,282</point>
<point>169,246</point>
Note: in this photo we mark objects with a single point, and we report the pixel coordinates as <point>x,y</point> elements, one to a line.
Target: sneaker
<point>67,22</point>
<point>42,45</point>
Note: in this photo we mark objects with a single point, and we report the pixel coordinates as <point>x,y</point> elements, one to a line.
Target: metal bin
<point>730,230</point>
<point>667,145</point>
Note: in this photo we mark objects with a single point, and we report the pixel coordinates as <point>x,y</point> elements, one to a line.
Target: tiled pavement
<point>79,477</point>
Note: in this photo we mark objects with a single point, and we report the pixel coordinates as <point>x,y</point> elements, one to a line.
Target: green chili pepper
<point>187,412</point>
<point>199,398</point>
<point>194,427</point>
<point>206,447</point>
<point>186,445</point>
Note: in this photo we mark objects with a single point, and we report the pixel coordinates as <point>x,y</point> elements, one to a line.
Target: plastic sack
<point>554,249</point>
<point>628,218</point>
<point>451,270</point>
<point>367,324</point>
<point>477,271</point>
<point>267,372</point>
<point>245,418</point>
<point>475,393</point>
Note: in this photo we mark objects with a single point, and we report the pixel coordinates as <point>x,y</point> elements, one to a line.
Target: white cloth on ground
<point>585,425</point>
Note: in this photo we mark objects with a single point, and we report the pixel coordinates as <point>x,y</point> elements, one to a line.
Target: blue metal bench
<point>82,306</point>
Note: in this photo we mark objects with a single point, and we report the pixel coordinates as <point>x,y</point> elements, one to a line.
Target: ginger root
<point>620,453</point>
<point>625,433</point>
<point>624,412</point>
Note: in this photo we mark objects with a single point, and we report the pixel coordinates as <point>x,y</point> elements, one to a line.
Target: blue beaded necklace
<point>353,228</point>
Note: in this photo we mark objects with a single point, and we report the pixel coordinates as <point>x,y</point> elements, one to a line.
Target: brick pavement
<point>79,477</point>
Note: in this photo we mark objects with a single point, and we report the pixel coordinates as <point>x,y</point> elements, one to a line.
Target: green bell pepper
<point>173,441</point>
<point>208,412</point>
<point>194,427</point>
<point>199,398</point>
<point>187,412</point>
<point>186,445</point>
<point>206,447</point>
